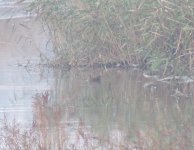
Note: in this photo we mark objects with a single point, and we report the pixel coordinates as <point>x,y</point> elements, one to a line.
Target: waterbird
<point>96,79</point>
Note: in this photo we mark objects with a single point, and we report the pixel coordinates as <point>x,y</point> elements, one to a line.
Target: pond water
<point>20,46</point>
<point>110,103</point>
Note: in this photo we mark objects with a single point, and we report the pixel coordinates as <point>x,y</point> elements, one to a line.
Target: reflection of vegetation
<point>119,102</point>
<point>116,113</point>
<point>157,34</point>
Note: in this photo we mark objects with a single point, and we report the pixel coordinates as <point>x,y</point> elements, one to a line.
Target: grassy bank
<point>156,35</point>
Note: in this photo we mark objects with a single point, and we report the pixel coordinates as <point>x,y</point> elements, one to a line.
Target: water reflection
<point>116,111</point>
<point>84,108</point>
<point>20,79</point>
<point>112,108</point>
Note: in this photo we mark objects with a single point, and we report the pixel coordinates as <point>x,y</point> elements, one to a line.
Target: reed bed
<point>155,35</point>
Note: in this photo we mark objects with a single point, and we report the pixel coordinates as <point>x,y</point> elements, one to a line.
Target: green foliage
<point>102,30</point>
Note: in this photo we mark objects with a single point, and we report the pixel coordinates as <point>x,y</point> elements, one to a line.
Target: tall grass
<point>155,34</point>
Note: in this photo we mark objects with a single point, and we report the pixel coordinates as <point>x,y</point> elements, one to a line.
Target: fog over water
<point>22,41</point>
<point>107,101</point>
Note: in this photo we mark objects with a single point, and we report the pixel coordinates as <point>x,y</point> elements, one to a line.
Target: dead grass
<point>154,34</point>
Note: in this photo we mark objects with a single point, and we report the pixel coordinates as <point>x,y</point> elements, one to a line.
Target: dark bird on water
<point>96,79</point>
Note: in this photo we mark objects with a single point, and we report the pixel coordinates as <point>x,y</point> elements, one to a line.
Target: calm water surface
<point>21,44</point>
<point>112,102</point>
